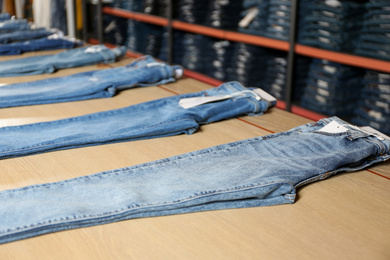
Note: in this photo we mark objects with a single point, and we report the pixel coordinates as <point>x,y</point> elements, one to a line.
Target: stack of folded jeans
<point>23,35</point>
<point>193,52</point>
<point>374,105</point>
<point>144,38</point>
<point>254,17</point>
<point>276,74</point>
<point>221,59</point>
<point>224,14</point>
<point>114,29</point>
<point>278,20</point>
<point>156,7</point>
<point>129,5</point>
<point>249,64</point>
<point>191,11</point>
<point>332,88</point>
<point>374,39</point>
<point>333,25</point>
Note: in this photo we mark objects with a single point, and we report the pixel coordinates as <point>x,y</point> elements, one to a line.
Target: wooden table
<point>344,217</point>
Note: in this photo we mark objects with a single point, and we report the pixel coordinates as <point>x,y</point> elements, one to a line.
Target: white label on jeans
<point>3,84</point>
<point>196,101</point>
<point>333,128</point>
<point>264,95</point>
<point>322,83</point>
<point>249,17</point>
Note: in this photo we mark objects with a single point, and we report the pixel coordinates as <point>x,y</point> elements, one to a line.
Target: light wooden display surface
<point>344,217</point>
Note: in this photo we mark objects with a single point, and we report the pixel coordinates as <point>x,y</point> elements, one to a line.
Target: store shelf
<point>200,29</point>
<point>347,59</point>
<point>152,19</point>
<point>342,58</point>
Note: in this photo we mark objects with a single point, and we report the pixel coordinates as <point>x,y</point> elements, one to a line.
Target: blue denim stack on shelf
<point>374,39</point>
<point>223,14</point>
<point>191,51</point>
<point>374,105</point>
<point>276,75</point>
<point>254,17</point>
<point>332,25</point>
<point>278,21</point>
<point>130,5</point>
<point>114,29</point>
<point>249,64</point>
<point>332,88</point>
<point>191,11</point>
<point>144,38</point>
<point>221,59</point>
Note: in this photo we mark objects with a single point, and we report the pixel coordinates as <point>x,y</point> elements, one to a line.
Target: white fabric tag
<point>249,17</point>
<point>333,128</point>
<point>196,101</point>
<point>264,95</point>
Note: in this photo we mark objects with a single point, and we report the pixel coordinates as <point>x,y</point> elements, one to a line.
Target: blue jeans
<point>260,171</point>
<point>67,59</point>
<point>14,25</point>
<point>157,118</point>
<point>4,16</point>
<point>144,71</point>
<point>46,43</point>
<point>24,35</point>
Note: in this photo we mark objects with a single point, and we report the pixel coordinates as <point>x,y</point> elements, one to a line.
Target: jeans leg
<point>158,118</point>
<point>261,171</point>
<point>144,71</point>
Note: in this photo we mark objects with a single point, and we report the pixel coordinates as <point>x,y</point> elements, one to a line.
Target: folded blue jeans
<point>14,25</point>
<point>142,72</point>
<point>163,117</point>
<point>67,59</point>
<point>47,43</point>
<point>24,35</point>
<point>261,171</point>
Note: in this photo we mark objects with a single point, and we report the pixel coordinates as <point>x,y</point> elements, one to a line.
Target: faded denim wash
<point>144,71</point>
<point>24,35</point>
<point>157,118</point>
<point>67,59</point>
<point>46,43</point>
<point>261,171</point>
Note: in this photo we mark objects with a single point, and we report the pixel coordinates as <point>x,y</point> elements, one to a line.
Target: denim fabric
<point>374,105</point>
<point>260,171</point>
<point>58,15</point>
<point>144,71</point>
<point>4,16</point>
<point>375,35</point>
<point>332,88</point>
<point>14,25</point>
<point>158,118</point>
<point>67,59</point>
<point>258,24</point>
<point>47,43</point>
<point>24,35</point>
<point>332,25</point>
